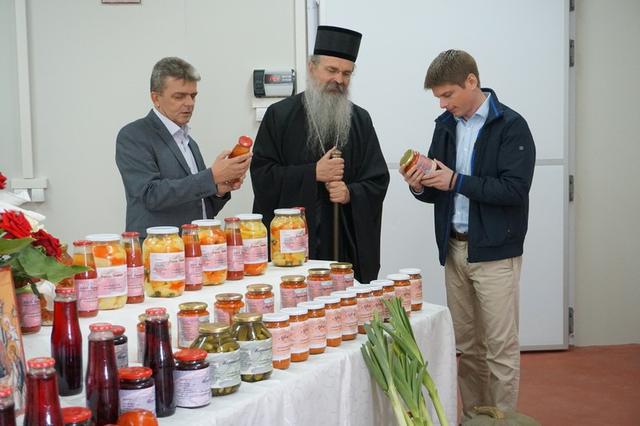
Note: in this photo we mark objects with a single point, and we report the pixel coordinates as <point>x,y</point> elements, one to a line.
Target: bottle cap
<point>398,277</point>
<point>206,222</point>
<point>275,317</point>
<point>134,373</point>
<point>72,415</point>
<point>155,311</point>
<point>41,362</point>
<point>245,141</point>
<point>249,216</point>
<point>6,391</point>
<point>410,271</point>
<point>130,234</point>
<point>118,330</point>
<point>192,354</point>
<point>102,238</point>
<point>161,230</point>
<point>101,326</point>
<point>81,243</point>
<point>295,311</point>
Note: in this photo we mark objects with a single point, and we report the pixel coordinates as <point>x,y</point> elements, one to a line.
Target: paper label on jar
<point>260,306</point>
<point>299,337</point>
<point>235,258</point>
<point>188,329</point>
<point>135,281</point>
<point>87,294</point>
<point>29,308</point>
<point>141,340</point>
<point>349,319</point>
<point>256,357</point>
<point>317,332</point>
<point>122,355</point>
<point>404,293</point>
<point>292,241</point>
<point>377,305</point>
<point>222,315</point>
<point>224,368</point>
<point>112,281</point>
<point>193,270</point>
<point>316,288</point>
<point>281,343</point>
<point>426,164</point>
<point>192,387</point>
<point>364,310</point>
<point>131,399</point>
<point>342,281</point>
<point>416,290</point>
<point>287,298</point>
<point>214,257</point>
<point>166,266</point>
<point>255,250</point>
<point>334,323</point>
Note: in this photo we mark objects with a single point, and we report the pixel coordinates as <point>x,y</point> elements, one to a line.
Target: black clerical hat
<point>338,42</point>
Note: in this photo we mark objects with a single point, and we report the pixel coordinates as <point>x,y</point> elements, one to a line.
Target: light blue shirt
<point>466,134</point>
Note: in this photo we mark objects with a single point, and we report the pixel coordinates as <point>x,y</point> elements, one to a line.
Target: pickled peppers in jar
<point>255,346</point>
<point>223,357</point>
<point>213,247</point>
<point>111,267</point>
<point>254,244</point>
<point>287,238</point>
<point>163,253</point>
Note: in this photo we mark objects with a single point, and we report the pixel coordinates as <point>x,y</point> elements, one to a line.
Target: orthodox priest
<point>294,161</point>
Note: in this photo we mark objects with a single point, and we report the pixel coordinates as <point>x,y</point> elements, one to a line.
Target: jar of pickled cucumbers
<point>163,253</point>
<point>226,306</point>
<point>254,243</point>
<point>259,298</point>
<point>213,245</point>
<point>255,346</point>
<point>319,282</point>
<point>223,357</point>
<point>111,268</point>
<point>287,238</point>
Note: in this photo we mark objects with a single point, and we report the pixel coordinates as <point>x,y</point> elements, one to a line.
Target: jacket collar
<point>166,137</point>
<point>496,110</point>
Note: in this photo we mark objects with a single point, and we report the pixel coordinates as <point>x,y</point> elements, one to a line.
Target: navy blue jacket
<point>502,166</point>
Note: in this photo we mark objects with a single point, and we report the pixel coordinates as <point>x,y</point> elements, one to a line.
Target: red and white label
<point>214,257</point>
<point>416,291</point>
<point>193,270</point>
<point>404,293</point>
<point>317,332</point>
<point>349,319</point>
<point>334,323</point>
<point>260,306</point>
<point>87,294</point>
<point>135,281</point>
<point>255,250</point>
<point>292,240</point>
<point>167,266</point>
<point>235,259</point>
<point>281,340</point>
<point>29,308</point>
<point>342,281</point>
<point>299,337</point>
<point>112,281</point>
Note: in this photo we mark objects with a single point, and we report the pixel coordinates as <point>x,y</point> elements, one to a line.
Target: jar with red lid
<point>388,293</point>
<point>259,298</point>
<point>135,267</point>
<point>402,288</point>
<point>349,314</point>
<point>364,304</point>
<point>278,325</point>
<point>76,416</point>
<point>192,378</point>
<point>137,389</point>
<point>192,258</point>
<point>299,333</point>
<point>121,346</point>
<point>333,313</point>
<point>226,306</point>
<point>86,282</point>
<point>190,316</point>
<point>415,278</point>
<point>7,406</point>
<point>342,275</point>
<point>293,290</point>
<point>319,282</point>
<point>317,323</point>
<point>213,246</point>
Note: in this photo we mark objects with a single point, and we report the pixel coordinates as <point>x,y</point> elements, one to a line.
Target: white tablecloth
<point>333,388</point>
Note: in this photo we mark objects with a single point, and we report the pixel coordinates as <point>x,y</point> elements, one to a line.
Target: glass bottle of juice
<point>42,404</point>
<point>7,407</point>
<point>235,259</point>
<point>86,282</point>
<point>192,258</point>
<point>66,342</point>
<point>242,147</point>
<point>101,382</point>
<point>135,267</point>
<point>158,356</point>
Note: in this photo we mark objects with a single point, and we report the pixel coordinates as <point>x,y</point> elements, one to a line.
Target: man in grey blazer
<point>165,178</point>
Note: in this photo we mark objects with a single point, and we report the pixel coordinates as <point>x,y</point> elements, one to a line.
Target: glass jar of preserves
<point>190,316</point>
<point>341,275</point>
<point>135,267</point>
<point>226,306</point>
<point>333,313</point>
<point>192,258</point>
<point>192,378</point>
<point>28,307</point>
<point>287,238</point>
<point>317,323</point>
<point>254,243</point>
<point>412,158</point>
<point>121,346</point>
<point>293,290</point>
<point>303,214</point>
<point>111,268</point>
<point>256,359</point>
<point>388,293</point>
<point>259,298</point>
<point>137,389</point>
<point>213,246</point>
<point>319,282</point>
<point>235,249</point>
<point>376,303</point>
<point>415,279</point>
<point>299,333</point>
<point>223,357</point>
<point>349,314</point>
<point>163,252</point>
<point>364,305</point>
<point>278,325</point>
<point>86,282</point>
<point>75,416</point>
<point>402,288</point>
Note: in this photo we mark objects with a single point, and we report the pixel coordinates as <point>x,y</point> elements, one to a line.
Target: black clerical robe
<point>283,174</point>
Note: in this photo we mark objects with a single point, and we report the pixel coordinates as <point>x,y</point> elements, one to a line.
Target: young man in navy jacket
<point>485,158</point>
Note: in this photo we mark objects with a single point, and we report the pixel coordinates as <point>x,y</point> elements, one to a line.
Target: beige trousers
<point>483,299</point>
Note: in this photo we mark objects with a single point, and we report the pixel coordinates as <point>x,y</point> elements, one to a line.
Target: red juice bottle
<point>135,267</point>
<point>43,404</point>
<point>7,408</point>
<point>66,342</point>
<point>235,260</point>
<point>192,257</point>
<point>158,356</point>
<point>86,282</point>
<point>101,383</point>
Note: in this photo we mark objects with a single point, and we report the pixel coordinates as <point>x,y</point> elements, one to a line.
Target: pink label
<point>404,293</point>
<point>426,164</point>
<point>193,270</point>
<point>349,319</point>
<point>141,340</point>
<point>342,281</point>
<point>29,304</point>
<point>188,329</point>
<point>334,323</point>
<point>260,306</point>
<point>235,258</point>
<point>214,257</point>
<point>387,296</point>
<point>377,306</point>
<point>222,316</point>
<point>299,337</point>
<point>255,250</point>
<point>365,310</point>
<point>281,341</point>
<point>306,245</point>
<point>135,281</point>
<point>112,281</point>
<point>317,288</point>
<point>290,297</point>
<point>416,291</point>
<point>317,332</point>
<point>292,241</point>
<point>167,266</point>
<point>87,294</point>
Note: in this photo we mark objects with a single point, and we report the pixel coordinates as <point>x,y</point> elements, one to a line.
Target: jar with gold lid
<point>293,290</point>
<point>256,359</point>
<point>341,275</point>
<point>223,356</point>
<point>319,282</point>
<point>226,306</point>
<point>259,298</point>
<point>190,316</point>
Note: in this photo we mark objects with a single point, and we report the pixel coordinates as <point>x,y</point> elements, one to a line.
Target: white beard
<point>328,111</point>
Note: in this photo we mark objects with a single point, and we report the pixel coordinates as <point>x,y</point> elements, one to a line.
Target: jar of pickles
<point>111,267</point>
<point>226,306</point>
<point>415,279</point>
<point>192,379</point>
<point>190,316</point>
<point>163,253</point>
<point>223,357</point>
<point>402,288</point>
<point>259,298</point>
<point>278,325</point>
<point>293,290</point>
<point>319,282</point>
<point>254,243</point>
<point>333,313</point>
<point>299,333</point>
<point>213,246</point>
<point>287,238</point>
<point>317,326</point>
<point>256,360</point>
<point>137,389</point>
<point>341,275</point>
<point>349,314</point>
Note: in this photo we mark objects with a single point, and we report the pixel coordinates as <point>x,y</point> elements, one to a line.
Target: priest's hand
<point>329,169</point>
<point>229,169</point>
<point>413,176</point>
<point>443,178</point>
<point>338,192</point>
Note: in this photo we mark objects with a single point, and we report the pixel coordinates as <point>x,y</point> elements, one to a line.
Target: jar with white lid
<point>163,253</point>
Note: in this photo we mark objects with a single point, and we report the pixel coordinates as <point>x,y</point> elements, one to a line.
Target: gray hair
<point>172,67</point>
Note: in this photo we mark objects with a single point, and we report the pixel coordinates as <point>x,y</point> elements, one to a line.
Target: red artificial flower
<point>15,224</point>
<point>47,241</point>
<point>3,181</point>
